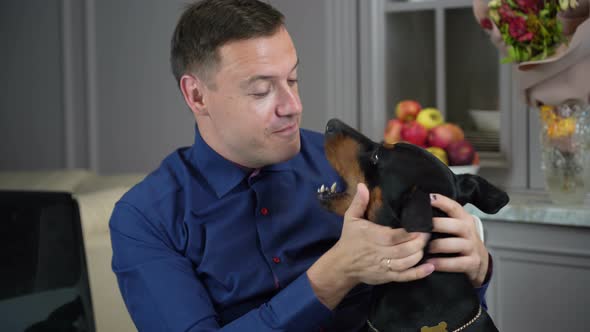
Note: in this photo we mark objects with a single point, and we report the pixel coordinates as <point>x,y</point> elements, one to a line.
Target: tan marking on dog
<point>340,205</point>
<point>342,153</point>
<point>441,327</point>
<point>375,203</point>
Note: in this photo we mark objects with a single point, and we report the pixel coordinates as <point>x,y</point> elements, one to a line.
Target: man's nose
<point>289,101</point>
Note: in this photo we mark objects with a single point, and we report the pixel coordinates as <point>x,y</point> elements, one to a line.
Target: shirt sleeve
<point>481,290</point>
<point>163,293</point>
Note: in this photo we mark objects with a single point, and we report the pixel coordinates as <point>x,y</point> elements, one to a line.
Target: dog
<point>400,178</point>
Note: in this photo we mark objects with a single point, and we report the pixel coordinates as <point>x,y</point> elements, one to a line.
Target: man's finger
<point>402,264</point>
<point>404,249</point>
<point>449,245</point>
<point>415,273</point>
<point>450,226</point>
<point>449,206</point>
<point>359,202</point>
<point>454,264</point>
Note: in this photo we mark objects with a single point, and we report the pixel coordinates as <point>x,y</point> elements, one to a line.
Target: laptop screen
<point>44,280</point>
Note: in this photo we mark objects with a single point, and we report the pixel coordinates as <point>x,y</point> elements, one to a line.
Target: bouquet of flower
<point>529,28</point>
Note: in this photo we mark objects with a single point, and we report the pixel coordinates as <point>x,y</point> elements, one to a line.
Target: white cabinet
<point>541,274</point>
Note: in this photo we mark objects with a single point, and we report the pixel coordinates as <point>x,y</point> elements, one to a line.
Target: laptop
<point>43,276</point>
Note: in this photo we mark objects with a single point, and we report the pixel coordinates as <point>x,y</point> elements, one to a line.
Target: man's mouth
<point>287,129</point>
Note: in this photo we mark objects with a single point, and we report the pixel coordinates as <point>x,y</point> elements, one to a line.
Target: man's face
<point>252,102</point>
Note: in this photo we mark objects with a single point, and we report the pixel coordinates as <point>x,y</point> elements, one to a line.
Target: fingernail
<point>432,197</point>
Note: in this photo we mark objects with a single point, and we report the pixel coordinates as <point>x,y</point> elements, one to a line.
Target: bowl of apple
<point>427,128</point>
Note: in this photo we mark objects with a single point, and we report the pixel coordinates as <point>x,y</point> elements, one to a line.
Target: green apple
<point>430,118</point>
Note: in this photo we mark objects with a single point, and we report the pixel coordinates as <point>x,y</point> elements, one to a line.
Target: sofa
<point>96,195</point>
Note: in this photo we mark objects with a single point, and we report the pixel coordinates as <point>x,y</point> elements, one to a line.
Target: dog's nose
<point>329,129</point>
<point>332,127</point>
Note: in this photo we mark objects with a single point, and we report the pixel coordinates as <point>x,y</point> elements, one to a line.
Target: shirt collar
<point>221,174</point>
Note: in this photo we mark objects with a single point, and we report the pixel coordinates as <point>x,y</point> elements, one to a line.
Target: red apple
<point>460,153</point>
<point>407,110</point>
<point>458,134</point>
<point>393,131</point>
<point>414,133</point>
<point>443,135</point>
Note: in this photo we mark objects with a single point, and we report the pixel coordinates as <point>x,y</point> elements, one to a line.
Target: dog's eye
<point>375,157</point>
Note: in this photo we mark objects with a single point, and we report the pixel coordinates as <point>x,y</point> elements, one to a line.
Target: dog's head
<point>400,178</point>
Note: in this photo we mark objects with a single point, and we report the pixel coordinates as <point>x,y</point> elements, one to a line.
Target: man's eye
<point>260,94</point>
<point>292,82</point>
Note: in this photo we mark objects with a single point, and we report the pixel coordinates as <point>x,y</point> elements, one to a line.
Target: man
<point>228,234</point>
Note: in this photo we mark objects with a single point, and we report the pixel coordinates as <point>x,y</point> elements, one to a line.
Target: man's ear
<point>193,90</point>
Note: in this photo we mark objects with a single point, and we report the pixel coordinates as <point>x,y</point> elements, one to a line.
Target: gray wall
<point>140,115</point>
<point>86,84</point>
<point>31,115</point>
<point>305,22</point>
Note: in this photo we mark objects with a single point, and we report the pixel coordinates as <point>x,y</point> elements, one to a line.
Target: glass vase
<point>565,149</point>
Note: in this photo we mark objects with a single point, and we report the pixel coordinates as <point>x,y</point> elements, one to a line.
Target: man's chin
<point>288,150</point>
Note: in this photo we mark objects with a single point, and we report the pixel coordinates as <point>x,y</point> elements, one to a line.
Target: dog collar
<point>441,327</point>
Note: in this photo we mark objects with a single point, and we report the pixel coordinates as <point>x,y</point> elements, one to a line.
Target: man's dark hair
<point>207,25</point>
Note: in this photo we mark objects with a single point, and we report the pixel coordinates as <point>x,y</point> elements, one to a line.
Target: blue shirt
<point>202,244</point>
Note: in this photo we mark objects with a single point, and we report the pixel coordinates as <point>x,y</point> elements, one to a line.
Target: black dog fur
<point>400,178</point>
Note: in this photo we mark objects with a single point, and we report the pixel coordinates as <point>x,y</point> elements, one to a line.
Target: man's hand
<point>472,256</point>
<point>375,254</point>
<point>367,253</point>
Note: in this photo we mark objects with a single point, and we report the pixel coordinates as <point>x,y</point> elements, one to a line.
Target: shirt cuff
<point>481,290</point>
<point>479,227</point>
<point>297,307</point>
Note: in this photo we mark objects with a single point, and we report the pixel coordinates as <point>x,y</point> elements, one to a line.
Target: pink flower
<point>518,29</point>
<point>526,37</point>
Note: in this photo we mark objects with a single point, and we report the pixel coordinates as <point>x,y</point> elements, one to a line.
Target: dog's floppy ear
<point>412,212</point>
<point>416,213</point>
<point>478,191</point>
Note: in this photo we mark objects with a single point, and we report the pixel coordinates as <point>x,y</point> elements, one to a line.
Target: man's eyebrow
<point>255,78</point>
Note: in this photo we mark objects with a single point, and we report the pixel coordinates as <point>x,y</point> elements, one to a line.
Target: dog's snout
<point>329,129</point>
<point>333,126</point>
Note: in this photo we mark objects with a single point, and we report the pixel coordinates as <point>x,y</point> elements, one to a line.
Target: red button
<point>276,260</point>
<point>264,211</point>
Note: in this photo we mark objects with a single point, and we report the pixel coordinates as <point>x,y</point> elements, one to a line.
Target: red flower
<point>518,29</point>
<point>486,23</point>
<point>506,13</point>
<point>530,6</point>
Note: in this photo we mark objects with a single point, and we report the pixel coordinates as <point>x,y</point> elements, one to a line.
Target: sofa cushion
<point>50,180</point>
